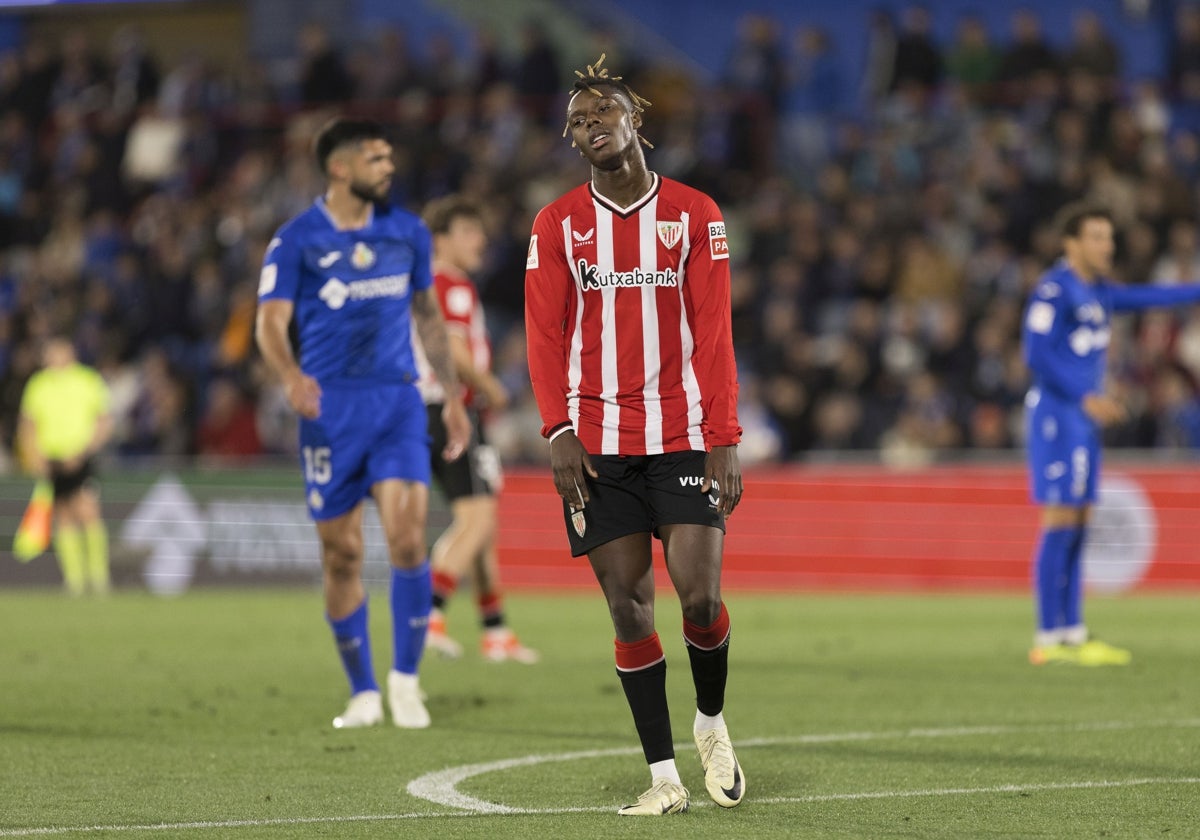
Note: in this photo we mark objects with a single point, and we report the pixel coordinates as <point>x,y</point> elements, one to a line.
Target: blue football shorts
<point>363,436</point>
<point>1063,447</point>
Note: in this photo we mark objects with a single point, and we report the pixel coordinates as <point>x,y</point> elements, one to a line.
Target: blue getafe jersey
<point>1067,328</point>
<point>352,290</point>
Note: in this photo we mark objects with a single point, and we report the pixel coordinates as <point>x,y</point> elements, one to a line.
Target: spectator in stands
<point>1027,57</point>
<point>536,75</point>
<point>918,61</point>
<point>1091,50</point>
<point>880,57</point>
<point>755,77</point>
<point>135,74</point>
<point>1184,48</point>
<point>228,428</point>
<point>1181,261</point>
<point>973,61</point>
<point>812,99</point>
<point>324,79</point>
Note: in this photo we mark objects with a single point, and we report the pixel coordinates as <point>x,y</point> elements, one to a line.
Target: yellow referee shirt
<point>65,405</point>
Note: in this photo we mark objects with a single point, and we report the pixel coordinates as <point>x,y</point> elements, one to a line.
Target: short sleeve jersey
<point>64,406</point>
<point>352,291</point>
<point>463,313</point>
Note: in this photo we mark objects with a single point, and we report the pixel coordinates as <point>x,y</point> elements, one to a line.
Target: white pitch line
<point>607,809</point>
<point>1030,788</point>
<point>441,786</point>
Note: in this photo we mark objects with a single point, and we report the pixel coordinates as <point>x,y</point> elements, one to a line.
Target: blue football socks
<point>1072,605</point>
<point>354,646</point>
<point>1051,576</point>
<point>412,600</point>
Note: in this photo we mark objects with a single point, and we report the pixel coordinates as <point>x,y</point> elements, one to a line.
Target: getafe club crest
<point>578,521</point>
<point>669,233</point>
<point>362,256</point>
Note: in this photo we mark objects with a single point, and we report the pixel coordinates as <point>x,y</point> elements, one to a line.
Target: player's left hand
<point>723,471</point>
<point>458,429</point>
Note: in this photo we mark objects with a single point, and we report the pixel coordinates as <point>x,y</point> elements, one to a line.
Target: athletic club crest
<point>578,521</point>
<point>362,256</point>
<point>669,233</point>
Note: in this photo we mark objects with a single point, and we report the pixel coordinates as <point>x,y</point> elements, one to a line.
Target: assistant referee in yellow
<point>65,422</point>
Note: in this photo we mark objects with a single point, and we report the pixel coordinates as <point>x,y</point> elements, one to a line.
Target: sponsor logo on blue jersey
<point>335,293</point>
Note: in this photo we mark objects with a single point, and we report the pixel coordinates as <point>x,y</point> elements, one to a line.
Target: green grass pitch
<point>856,716</point>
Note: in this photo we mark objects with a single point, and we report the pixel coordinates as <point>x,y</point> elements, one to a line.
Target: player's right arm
<point>271,334</point>
<point>547,289</point>
<point>277,289</point>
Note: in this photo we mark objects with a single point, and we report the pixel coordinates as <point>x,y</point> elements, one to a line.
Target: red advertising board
<point>855,527</point>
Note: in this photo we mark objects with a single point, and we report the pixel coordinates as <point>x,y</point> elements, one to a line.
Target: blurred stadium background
<point>887,171</point>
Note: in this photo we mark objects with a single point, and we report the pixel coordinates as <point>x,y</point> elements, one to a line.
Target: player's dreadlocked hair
<point>597,76</point>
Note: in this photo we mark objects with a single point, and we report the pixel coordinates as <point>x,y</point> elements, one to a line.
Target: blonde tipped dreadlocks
<point>597,75</point>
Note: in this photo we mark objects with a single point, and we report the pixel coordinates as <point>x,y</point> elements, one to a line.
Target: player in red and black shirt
<point>470,483</point>
<point>631,358</point>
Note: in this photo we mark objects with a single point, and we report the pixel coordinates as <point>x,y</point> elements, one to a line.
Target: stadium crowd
<point>885,230</point>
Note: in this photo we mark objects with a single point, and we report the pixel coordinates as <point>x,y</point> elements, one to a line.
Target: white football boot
<point>722,774</point>
<point>404,698</point>
<point>664,797</point>
<point>364,709</point>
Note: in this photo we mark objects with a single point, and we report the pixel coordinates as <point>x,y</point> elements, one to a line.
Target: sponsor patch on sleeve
<point>717,246</point>
<point>266,280</point>
<point>1041,317</point>
<point>531,259</point>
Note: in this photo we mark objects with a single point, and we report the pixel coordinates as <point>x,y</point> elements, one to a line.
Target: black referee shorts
<point>635,494</point>
<point>476,472</point>
<point>66,482</point>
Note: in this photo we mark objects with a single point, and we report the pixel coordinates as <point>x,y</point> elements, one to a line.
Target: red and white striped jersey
<point>459,301</point>
<point>627,321</point>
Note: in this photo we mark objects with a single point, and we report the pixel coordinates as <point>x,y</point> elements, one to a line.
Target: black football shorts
<point>635,494</point>
<point>476,472</point>
<point>66,482</point>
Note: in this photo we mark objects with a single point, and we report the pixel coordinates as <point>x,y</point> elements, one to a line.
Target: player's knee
<point>701,610</point>
<point>631,618</point>
<point>407,550</point>
<point>342,555</point>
